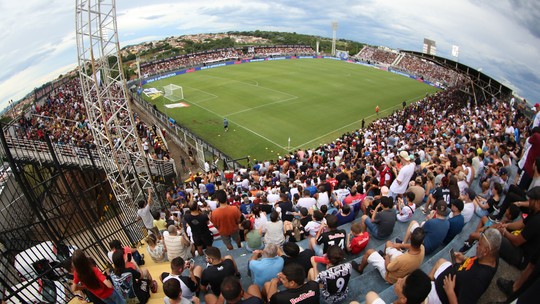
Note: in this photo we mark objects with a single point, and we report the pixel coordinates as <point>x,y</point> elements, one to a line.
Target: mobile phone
<point>453,256</point>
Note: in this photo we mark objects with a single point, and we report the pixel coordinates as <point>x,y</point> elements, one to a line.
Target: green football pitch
<point>309,101</point>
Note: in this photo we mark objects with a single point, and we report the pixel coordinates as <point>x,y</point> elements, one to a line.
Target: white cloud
<point>502,37</point>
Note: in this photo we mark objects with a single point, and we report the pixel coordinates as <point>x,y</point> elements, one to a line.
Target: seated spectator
<point>292,277</point>
<point>335,279</point>
<point>468,205</point>
<point>456,220</point>
<point>156,249</point>
<point>306,201</point>
<point>354,199</point>
<point>252,236</point>
<point>345,215</point>
<point>173,291</point>
<point>381,224</point>
<point>129,253</point>
<point>418,191</point>
<point>357,240</point>
<point>233,293</point>
<point>435,228</point>
<point>159,223</point>
<point>275,233</point>
<point>405,207</point>
<point>324,239</point>
<point>88,277</point>
<point>126,280</point>
<point>413,289</point>
<point>484,207</point>
<point>510,215</point>
<point>218,269</point>
<point>517,249</point>
<point>313,226</point>
<point>188,284</point>
<point>468,279</point>
<point>265,264</point>
<point>177,244</point>
<point>291,254</point>
<point>394,263</point>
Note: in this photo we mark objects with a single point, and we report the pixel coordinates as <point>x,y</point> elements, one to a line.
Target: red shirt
<point>359,242</point>
<point>226,219</point>
<point>102,291</point>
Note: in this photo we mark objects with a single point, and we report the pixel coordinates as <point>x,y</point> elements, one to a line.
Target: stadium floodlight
<point>173,92</point>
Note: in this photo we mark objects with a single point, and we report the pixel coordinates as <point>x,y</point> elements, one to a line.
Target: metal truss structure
<point>107,104</point>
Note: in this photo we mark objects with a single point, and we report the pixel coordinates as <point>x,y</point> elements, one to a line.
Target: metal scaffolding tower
<point>105,96</point>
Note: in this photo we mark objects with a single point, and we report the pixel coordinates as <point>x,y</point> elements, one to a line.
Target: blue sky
<point>502,37</point>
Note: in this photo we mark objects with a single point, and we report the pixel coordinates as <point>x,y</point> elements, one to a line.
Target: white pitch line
<point>253,85</point>
<point>241,126</point>
<point>257,107</point>
<point>352,123</point>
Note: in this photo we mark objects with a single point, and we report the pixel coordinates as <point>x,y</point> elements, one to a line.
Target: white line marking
<point>352,123</point>
<point>257,107</point>
<point>241,126</point>
<point>251,84</point>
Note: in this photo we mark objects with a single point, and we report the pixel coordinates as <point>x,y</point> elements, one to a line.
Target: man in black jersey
<point>292,277</point>
<point>331,237</point>
<point>218,269</point>
<point>202,236</point>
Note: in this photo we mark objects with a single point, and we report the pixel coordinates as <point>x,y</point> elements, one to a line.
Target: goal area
<point>173,92</point>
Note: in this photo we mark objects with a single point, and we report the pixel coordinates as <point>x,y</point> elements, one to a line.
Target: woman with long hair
<point>86,276</point>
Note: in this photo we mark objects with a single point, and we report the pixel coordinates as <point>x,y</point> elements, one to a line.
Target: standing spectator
<point>89,277</point>
<point>265,264</point>
<point>335,279</point>
<point>292,277</point>
<point>145,214</point>
<point>226,219</point>
<point>174,293</point>
<point>400,184</point>
<point>198,221</point>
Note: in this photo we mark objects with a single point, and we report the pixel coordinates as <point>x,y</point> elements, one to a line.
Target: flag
<point>455,50</point>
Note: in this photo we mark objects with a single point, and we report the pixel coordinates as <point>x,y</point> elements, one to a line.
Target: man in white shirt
<point>145,214</point>
<point>306,201</point>
<point>400,184</point>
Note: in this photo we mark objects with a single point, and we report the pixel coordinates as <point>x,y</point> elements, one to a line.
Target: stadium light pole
<point>334,34</point>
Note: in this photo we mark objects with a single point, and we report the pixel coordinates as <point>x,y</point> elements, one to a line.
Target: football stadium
<point>319,171</point>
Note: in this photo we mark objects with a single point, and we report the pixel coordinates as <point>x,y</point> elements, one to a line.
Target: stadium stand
<point>444,135</point>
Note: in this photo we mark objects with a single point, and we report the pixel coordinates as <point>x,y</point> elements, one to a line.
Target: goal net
<point>173,92</point>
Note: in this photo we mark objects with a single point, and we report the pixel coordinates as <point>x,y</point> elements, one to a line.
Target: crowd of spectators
<point>428,70</point>
<point>286,50</point>
<point>196,59</point>
<point>376,55</point>
<point>446,155</point>
<point>189,60</point>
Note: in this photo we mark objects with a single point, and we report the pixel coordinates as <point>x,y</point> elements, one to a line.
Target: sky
<point>500,37</point>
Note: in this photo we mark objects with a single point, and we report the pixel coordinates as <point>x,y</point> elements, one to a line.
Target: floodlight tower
<point>107,105</point>
<point>334,31</point>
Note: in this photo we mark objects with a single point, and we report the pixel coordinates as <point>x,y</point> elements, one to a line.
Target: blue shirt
<point>246,208</point>
<point>435,230</point>
<point>265,269</point>
<point>456,225</point>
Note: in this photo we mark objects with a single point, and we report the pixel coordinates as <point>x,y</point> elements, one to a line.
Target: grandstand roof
<point>489,86</point>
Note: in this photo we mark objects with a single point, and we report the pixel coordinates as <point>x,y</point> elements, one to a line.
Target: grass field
<point>310,101</point>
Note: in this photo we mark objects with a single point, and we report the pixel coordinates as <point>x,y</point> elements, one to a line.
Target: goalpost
<point>173,92</point>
